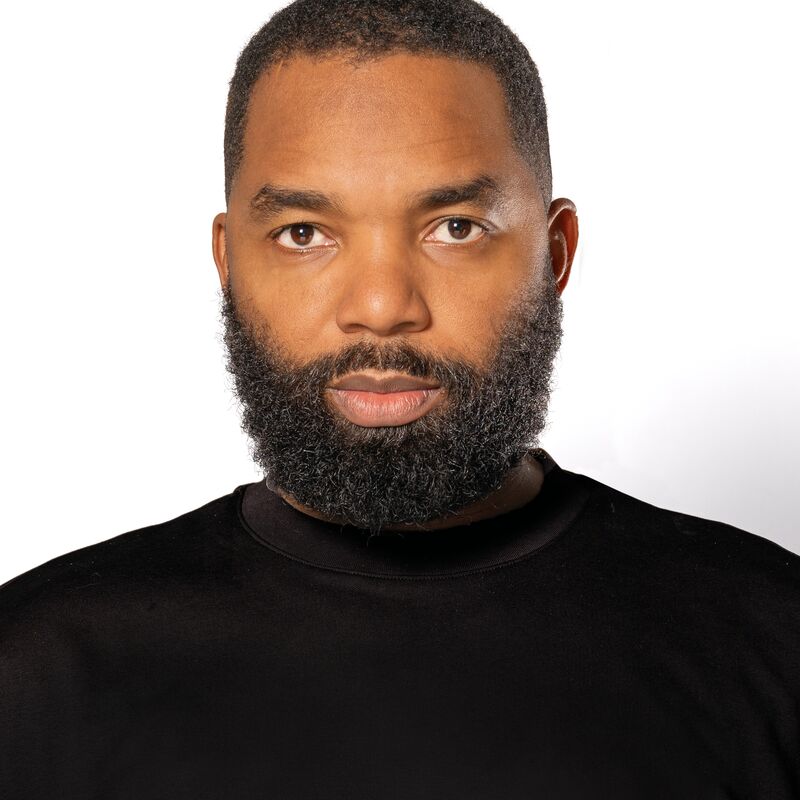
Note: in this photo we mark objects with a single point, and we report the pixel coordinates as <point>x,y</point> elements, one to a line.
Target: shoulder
<point>667,540</point>
<point>123,564</point>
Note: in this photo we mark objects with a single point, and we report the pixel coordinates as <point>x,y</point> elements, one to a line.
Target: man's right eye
<point>301,236</point>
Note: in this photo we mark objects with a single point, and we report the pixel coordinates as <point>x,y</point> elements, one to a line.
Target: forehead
<point>396,120</point>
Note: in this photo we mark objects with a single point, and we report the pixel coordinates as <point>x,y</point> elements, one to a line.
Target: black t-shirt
<point>587,645</point>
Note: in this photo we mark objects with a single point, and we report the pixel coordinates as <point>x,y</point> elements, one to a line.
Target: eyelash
<point>275,234</point>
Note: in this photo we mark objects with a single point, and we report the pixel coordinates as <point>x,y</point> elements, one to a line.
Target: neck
<point>519,487</point>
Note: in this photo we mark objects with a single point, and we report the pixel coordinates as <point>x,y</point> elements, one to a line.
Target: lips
<point>372,401</point>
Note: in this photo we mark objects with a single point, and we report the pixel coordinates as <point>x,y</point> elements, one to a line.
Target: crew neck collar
<point>482,545</point>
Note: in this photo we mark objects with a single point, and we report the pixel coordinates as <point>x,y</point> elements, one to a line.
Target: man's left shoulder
<point>708,549</point>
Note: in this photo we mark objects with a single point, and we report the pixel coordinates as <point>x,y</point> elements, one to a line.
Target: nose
<point>383,292</point>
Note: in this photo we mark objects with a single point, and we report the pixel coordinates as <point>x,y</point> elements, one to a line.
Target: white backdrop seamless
<point>674,129</point>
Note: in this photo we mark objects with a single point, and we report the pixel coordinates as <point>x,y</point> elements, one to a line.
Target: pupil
<point>302,234</point>
<point>459,228</point>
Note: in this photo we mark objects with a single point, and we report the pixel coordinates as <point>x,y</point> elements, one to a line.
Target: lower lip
<point>377,409</point>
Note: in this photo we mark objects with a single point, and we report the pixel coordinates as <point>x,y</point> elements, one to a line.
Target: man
<point>417,601</point>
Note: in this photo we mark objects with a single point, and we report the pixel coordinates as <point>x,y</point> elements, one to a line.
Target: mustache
<point>398,356</point>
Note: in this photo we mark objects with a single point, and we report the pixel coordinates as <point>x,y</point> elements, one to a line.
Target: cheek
<point>296,304</point>
<point>299,314</point>
<point>470,309</point>
<point>467,326</point>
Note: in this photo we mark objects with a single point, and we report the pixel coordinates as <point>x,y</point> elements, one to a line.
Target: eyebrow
<point>483,189</point>
<point>271,200</point>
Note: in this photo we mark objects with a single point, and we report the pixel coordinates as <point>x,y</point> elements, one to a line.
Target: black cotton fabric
<point>587,645</point>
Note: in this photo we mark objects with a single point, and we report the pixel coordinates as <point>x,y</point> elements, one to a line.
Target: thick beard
<point>457,453</point>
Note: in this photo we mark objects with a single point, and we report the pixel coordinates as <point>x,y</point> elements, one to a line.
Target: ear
<point>219,248</point>
<point>562,227</point>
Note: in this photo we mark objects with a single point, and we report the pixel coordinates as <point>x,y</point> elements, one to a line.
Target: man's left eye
<point>457,230</point>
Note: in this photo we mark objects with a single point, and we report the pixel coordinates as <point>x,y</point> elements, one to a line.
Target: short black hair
<point>364,29</point>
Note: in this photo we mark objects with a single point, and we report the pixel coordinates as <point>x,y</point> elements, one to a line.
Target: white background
<point>674,129</point>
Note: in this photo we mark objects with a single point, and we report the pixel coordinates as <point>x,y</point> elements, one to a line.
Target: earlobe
<point>219,248</point>
<point>562,226</point>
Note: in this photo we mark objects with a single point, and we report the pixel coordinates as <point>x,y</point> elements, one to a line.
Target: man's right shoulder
<point>128,562</point>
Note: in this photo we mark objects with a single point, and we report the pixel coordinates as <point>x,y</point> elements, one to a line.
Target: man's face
<point>383,226</point>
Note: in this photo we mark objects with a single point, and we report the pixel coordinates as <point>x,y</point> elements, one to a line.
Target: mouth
<point>383,401</point>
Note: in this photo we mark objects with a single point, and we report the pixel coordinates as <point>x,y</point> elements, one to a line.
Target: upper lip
<point>388,383</point>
